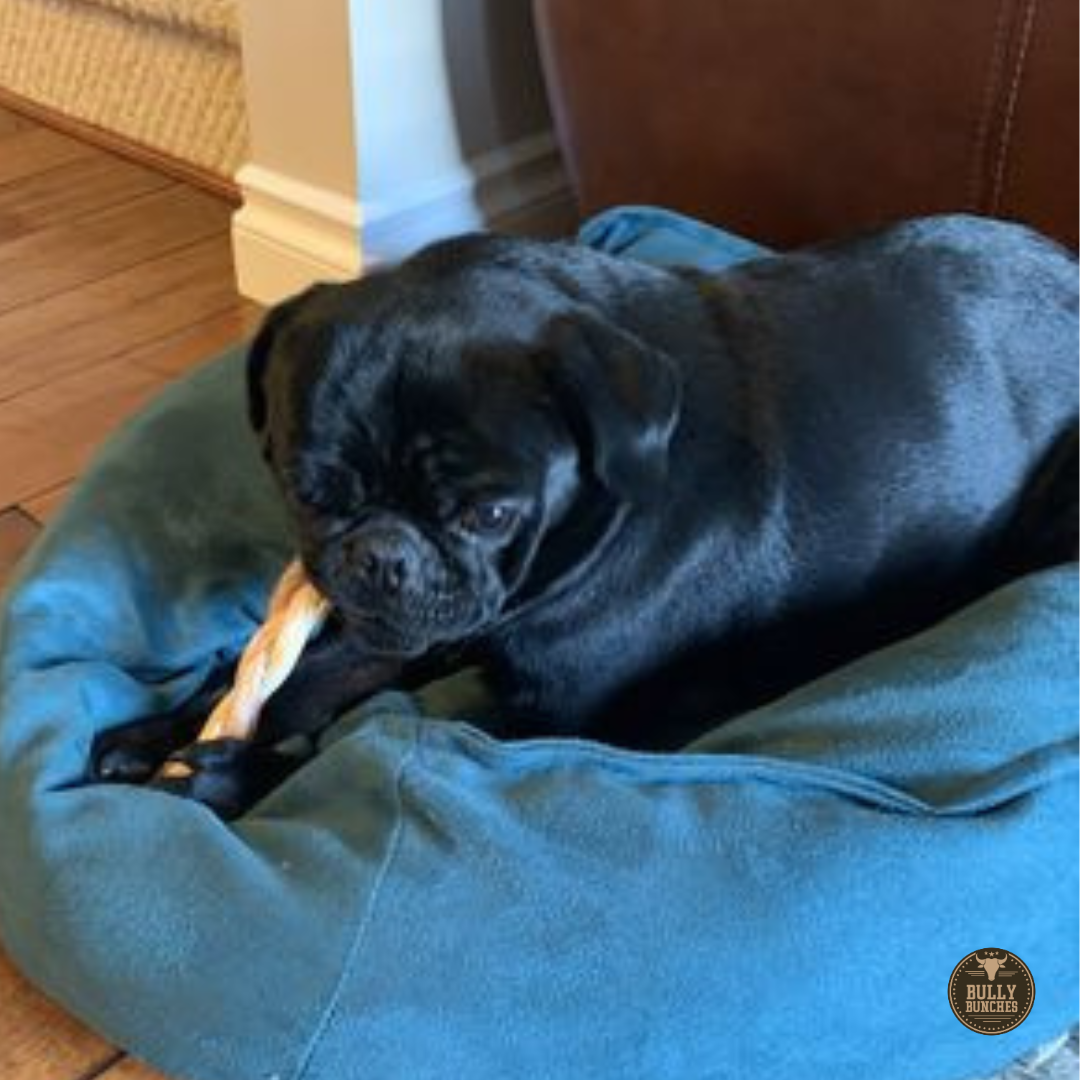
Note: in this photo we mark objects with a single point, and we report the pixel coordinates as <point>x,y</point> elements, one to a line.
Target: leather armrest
<point>790,121</point>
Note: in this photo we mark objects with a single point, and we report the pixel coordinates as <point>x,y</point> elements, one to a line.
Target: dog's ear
<point>621,396</point>
<point>258,361</point>
<point>259,354</point>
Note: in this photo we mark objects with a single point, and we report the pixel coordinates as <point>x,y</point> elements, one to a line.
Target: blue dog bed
<point>787,897</point>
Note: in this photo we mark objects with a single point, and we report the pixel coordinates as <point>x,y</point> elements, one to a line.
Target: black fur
<point>708,489</point>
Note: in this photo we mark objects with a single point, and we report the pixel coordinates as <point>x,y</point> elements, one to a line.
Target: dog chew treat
<point>296,612</point>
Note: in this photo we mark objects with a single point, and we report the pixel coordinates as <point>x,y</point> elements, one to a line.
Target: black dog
<point>643,500</point>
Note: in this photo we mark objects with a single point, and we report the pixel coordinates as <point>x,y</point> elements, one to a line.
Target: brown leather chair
<point>793,120</point>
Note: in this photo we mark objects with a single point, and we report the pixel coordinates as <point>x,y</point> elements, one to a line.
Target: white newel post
<point>378,125</point>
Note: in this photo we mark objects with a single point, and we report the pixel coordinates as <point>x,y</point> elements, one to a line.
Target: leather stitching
<point>1010,105</point>
<point>986,112</point>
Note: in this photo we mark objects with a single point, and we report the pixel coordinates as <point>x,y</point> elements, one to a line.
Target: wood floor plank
<point>17,532</point>
<point>39,1041</point>
<point>57,259</point>
<point>44,505</point>
<point>62,195</point>
<point>11,122</point>
<point>36,150</point>
<point>167,358</point>
<point>186,349</point>
<point>48,435</point>
<point>118,313</point>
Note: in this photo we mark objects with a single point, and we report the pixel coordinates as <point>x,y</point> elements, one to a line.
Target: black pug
<point>642,499</point>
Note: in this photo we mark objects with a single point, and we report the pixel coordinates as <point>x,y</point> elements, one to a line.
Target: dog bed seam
<point>357,944</point>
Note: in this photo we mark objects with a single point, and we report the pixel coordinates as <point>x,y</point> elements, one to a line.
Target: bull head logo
<point>993,966</point>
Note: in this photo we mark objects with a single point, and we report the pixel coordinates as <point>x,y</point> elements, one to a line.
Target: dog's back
<point>901,409</point>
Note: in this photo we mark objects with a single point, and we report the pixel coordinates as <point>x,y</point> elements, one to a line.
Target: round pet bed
<point>788,897</point>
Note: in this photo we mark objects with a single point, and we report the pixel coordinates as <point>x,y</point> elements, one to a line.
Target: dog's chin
<point>408,625</point>
<point>381,637</point>
<point>407,635</point>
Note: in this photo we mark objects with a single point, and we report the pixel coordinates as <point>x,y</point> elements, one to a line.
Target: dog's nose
<point>382,558</point>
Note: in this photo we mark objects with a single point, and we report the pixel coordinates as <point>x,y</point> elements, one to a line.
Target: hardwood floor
<point>114,280</point>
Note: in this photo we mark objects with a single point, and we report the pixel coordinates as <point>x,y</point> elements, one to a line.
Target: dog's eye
<point>489,519</point>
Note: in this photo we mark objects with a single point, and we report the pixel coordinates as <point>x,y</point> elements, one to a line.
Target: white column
<point>300,220</point>
<point>378,125</point>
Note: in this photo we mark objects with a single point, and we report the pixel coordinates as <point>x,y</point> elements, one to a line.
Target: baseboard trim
<point>222,186</point>
<point>520,188</point>
<point>289,233</point>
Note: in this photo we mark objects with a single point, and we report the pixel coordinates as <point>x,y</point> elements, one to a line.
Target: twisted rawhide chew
<point>296,613</point>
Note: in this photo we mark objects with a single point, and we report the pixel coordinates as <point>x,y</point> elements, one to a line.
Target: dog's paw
<point>132,753</point>
<point>226,775</point>
<point>119,760</point>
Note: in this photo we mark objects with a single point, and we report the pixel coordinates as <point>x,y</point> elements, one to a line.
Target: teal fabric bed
<point>787,897</point>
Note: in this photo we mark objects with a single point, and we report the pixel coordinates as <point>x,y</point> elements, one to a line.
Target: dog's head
<point>457,436</point>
